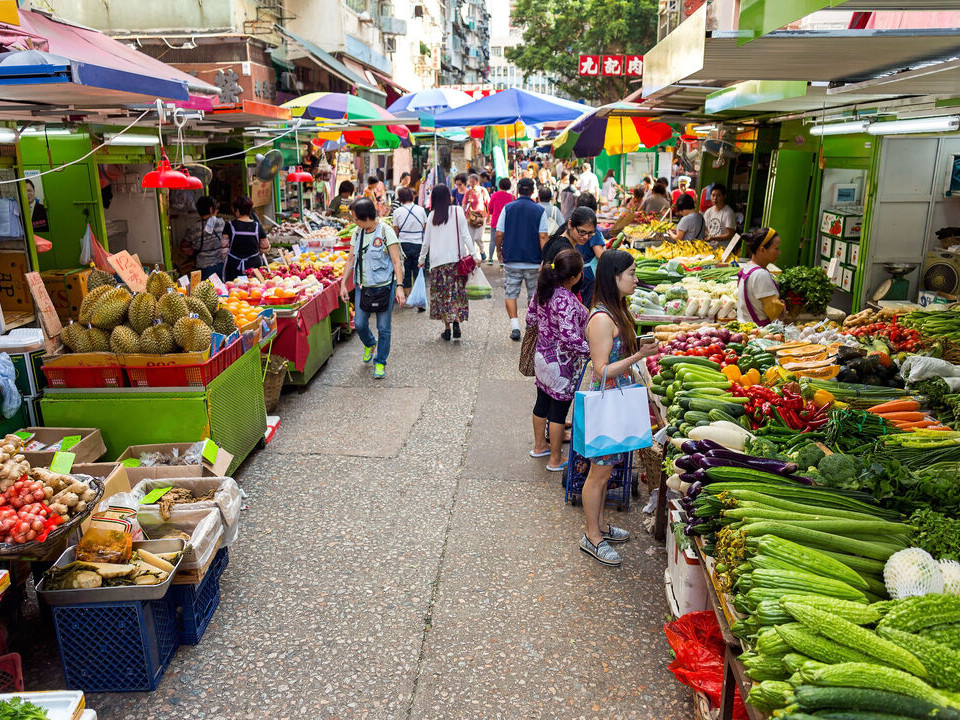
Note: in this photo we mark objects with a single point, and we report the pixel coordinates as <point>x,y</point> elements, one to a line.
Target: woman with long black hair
<point>445,241</point>
<point>758,297</point>
<point>612,335</point>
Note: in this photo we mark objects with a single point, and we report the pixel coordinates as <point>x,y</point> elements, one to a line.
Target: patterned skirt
<point>448,294</point>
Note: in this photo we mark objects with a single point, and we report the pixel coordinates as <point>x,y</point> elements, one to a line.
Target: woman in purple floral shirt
<point>562,349</point>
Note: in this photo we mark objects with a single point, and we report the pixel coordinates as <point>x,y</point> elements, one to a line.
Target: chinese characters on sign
<point>611,65</point>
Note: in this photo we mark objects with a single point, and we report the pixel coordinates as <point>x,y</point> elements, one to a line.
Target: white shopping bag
<point>606,422</point>
<point>478,287</point>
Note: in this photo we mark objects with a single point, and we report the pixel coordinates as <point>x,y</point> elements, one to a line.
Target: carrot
<point>903,416</point>
<point>939,427</point>
<point>896,406</point>
<point>916,425</point>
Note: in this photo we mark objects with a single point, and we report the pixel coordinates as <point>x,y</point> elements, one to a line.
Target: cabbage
<point>675,307</point>
<point>676,292</point>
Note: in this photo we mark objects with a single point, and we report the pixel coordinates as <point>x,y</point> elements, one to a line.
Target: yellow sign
<point>8,12</point>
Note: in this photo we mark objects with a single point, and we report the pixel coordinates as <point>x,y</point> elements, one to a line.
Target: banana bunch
<point>653,227</point>
<point>684,249</point>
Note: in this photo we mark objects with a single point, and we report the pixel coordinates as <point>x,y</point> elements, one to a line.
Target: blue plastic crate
<point>618,488</point>
<point>197,603</point>
<point>116,647</point>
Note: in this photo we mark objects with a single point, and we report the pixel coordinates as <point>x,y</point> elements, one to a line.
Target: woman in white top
<point>758,297</point>
<point>610,186</point>
<point>446,240</point>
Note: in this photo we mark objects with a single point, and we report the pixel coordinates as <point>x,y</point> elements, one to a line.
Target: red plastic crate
<point>185,375</point>
<point>107,376</point>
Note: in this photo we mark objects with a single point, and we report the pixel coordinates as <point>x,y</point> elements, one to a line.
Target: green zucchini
<point>708,405</point>
<point>741,474</point>
<point>672,360</point>
<point>712,385</point>
<point>658,390</point>
<point>718,415</point>
<point>811,697</point>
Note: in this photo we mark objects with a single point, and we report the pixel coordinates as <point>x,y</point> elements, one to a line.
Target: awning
<point>248,112</point>
<point>755,97</point>
<point>688,54</point>
<point>329,63</point>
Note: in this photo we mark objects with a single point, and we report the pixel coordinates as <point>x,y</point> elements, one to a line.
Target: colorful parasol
<point>340,107</point>
<point>617,128</point>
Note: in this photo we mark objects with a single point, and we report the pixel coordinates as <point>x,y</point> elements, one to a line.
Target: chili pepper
<point>791,419</point>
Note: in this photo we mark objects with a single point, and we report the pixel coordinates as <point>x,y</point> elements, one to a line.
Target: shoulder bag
<point>465,263</point>
<point>372,299</point>
<point>528,349</point>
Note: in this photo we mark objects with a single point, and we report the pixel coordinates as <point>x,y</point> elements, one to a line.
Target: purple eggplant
<point>802,480</point>
<point>694,489</point>
<point>686,462</point>
<point>765,464</point>
<point>706,445</point>
<point>698,458</point>
<point>690,447</point>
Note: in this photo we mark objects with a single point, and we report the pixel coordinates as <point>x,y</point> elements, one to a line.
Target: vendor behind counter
<point>758,297</point>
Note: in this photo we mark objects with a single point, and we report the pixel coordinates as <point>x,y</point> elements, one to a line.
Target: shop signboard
<point>613,65</point>
<point>589,65</point>
<point>633,65</point>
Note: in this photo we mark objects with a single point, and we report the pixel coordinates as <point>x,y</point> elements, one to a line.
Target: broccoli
<point>809,456</point>
<point>838,471</point>
<point>761,447</point>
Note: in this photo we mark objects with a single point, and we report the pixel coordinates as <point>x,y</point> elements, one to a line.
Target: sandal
<point>563,466</point>
<point>535,454</point>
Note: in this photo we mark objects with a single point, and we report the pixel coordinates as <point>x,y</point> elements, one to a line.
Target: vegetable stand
<point>230,411</point>
<point>304,335</point>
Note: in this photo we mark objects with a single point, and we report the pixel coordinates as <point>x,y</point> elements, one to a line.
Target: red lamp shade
<point>299,176</point>
<point>193,183</point>
<point>165,177</point>
<point>43,245</point>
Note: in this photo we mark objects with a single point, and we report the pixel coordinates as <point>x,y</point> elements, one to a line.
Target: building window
<point>357,5</point>
<point>496,51</point>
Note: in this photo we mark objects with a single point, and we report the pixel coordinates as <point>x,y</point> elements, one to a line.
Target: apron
<point>742,277</point>
<point>242,262</point>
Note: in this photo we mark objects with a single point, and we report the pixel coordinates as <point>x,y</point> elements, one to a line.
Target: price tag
<point>49,320</point>
<point>194,279</point>
<point>131,462</point>
<point>300,232</point>
<point>24,435</point>
<point>731,248</point>
<point>218,284</point>
<point>184,282</point>
<point>69,441</point>
<point>62,462</point>
<point>297,251</point>
<point>129,270</point>
<point>258,275</point>
<point>210,451</point>
<point>151,497</point>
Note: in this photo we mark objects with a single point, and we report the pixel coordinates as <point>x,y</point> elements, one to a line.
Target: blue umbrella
<point>509,107</point>
<point>429,102</point>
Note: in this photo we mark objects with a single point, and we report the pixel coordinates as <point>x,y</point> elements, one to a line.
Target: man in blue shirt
<point>521,235</point>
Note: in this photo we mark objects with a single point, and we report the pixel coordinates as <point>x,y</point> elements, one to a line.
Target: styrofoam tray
<point>59,704</point>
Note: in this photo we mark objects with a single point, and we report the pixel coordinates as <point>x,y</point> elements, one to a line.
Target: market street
<point>403,557</point>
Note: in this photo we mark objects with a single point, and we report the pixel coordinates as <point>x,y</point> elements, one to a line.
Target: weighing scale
<point>895,287</point>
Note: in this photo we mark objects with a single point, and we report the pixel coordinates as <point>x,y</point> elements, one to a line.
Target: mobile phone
<point>648,337</point>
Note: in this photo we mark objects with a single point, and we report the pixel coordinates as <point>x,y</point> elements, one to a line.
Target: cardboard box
<point>136,474</point>
<point>90,359</point>
<point>840,250</point>
<point>826,246</point>
<point>115,481</point>
<point>824,263</point>
<point>30,378</point>
<point>88,450</point>
<point>853,253</point>
<point>66,289</point>
<point>841,224</point>
<point>846,279</point>
<point>14,293</point>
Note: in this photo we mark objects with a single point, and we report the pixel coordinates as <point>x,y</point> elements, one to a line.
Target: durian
<point>99,339</point>
<point>157,339</point>
<point>223,322</point>
<point>192,334</point>
<point>196,306</point>
<point>98,278</point>
<point>143,311</point>
<point>172,307</point>
<point>206,293</point>
<point>89,301</point>
<point>124,339</point>
<point>70,335</point>
<point>157,283</point>
<point>111,309</point>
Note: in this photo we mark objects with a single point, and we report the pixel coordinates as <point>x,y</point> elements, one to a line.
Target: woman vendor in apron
<point>244,240</point>
<point>758,297</point>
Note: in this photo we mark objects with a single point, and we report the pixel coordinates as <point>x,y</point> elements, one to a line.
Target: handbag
<point>465,263</point>
<point>606,422</point>
<point>475,219</point>
<point>528,349</point>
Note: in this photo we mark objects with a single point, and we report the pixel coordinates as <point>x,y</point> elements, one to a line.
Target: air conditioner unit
<point>390,45</point>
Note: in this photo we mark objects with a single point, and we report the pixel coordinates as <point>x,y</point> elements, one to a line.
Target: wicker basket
<point>651,459</point>
<point>274,375</point>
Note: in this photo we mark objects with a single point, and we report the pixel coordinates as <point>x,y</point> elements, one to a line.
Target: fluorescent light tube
<point>947,123</point>
<point>846,128</point>
<point>131,140</point>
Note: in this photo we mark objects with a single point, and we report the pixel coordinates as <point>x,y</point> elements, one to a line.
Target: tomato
<point>717,358</point>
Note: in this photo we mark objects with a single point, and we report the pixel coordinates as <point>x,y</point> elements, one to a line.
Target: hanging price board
<point>129,271</point>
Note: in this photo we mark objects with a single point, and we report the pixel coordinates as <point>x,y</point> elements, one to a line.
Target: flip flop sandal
<point>545,453</point>
<point>557,469</point>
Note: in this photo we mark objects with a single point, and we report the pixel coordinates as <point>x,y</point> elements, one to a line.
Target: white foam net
<point>951,576</point>
<point>912,572</point>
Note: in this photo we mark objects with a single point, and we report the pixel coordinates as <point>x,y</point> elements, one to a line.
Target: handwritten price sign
<point>49,320</point>
<point>129,271</point>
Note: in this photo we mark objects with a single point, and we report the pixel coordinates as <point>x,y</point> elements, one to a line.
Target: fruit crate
<point>199,375</point>
<point>118,646</point>
<point>106,376</point>
<point>197,603</point>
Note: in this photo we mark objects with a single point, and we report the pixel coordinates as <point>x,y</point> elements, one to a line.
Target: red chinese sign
<point>589,64</point>
<point>611,65</point>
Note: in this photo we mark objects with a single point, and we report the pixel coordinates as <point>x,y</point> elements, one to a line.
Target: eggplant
<point>698,459</point>
<point>688,477</point>
<point>767,465</point>
<point>686,462</point>
<point>802,480</point>
<point>694,489</point>
<point>706,445</point>
<point>690,447</point>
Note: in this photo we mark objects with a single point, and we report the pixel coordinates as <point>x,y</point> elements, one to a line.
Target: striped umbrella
<point>617,128</point>
<point>341,107</point>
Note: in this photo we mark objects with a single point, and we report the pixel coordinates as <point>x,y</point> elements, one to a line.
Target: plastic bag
<point>418,293</point>
<point>917,367</point>
<point>698,644</point>
<point>113,528</point>
<point>9,392</point>
<point>226,499</point>
<point>86,247</point>
<point>204,527</point>
<point>477,286</point>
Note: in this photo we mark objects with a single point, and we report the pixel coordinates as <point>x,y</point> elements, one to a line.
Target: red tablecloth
<point>292,332</point>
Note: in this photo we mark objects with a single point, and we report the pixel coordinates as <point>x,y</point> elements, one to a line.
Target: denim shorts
<point>513,278</point>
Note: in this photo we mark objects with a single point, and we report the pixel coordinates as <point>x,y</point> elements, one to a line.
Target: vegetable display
<point>808,284</point>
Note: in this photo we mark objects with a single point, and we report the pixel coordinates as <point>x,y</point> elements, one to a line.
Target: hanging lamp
<point>193,182</point>
<point>165,176</point>
<point>299,176</point>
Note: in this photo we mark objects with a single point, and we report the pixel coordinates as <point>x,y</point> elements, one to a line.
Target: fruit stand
<point>305,335</point>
